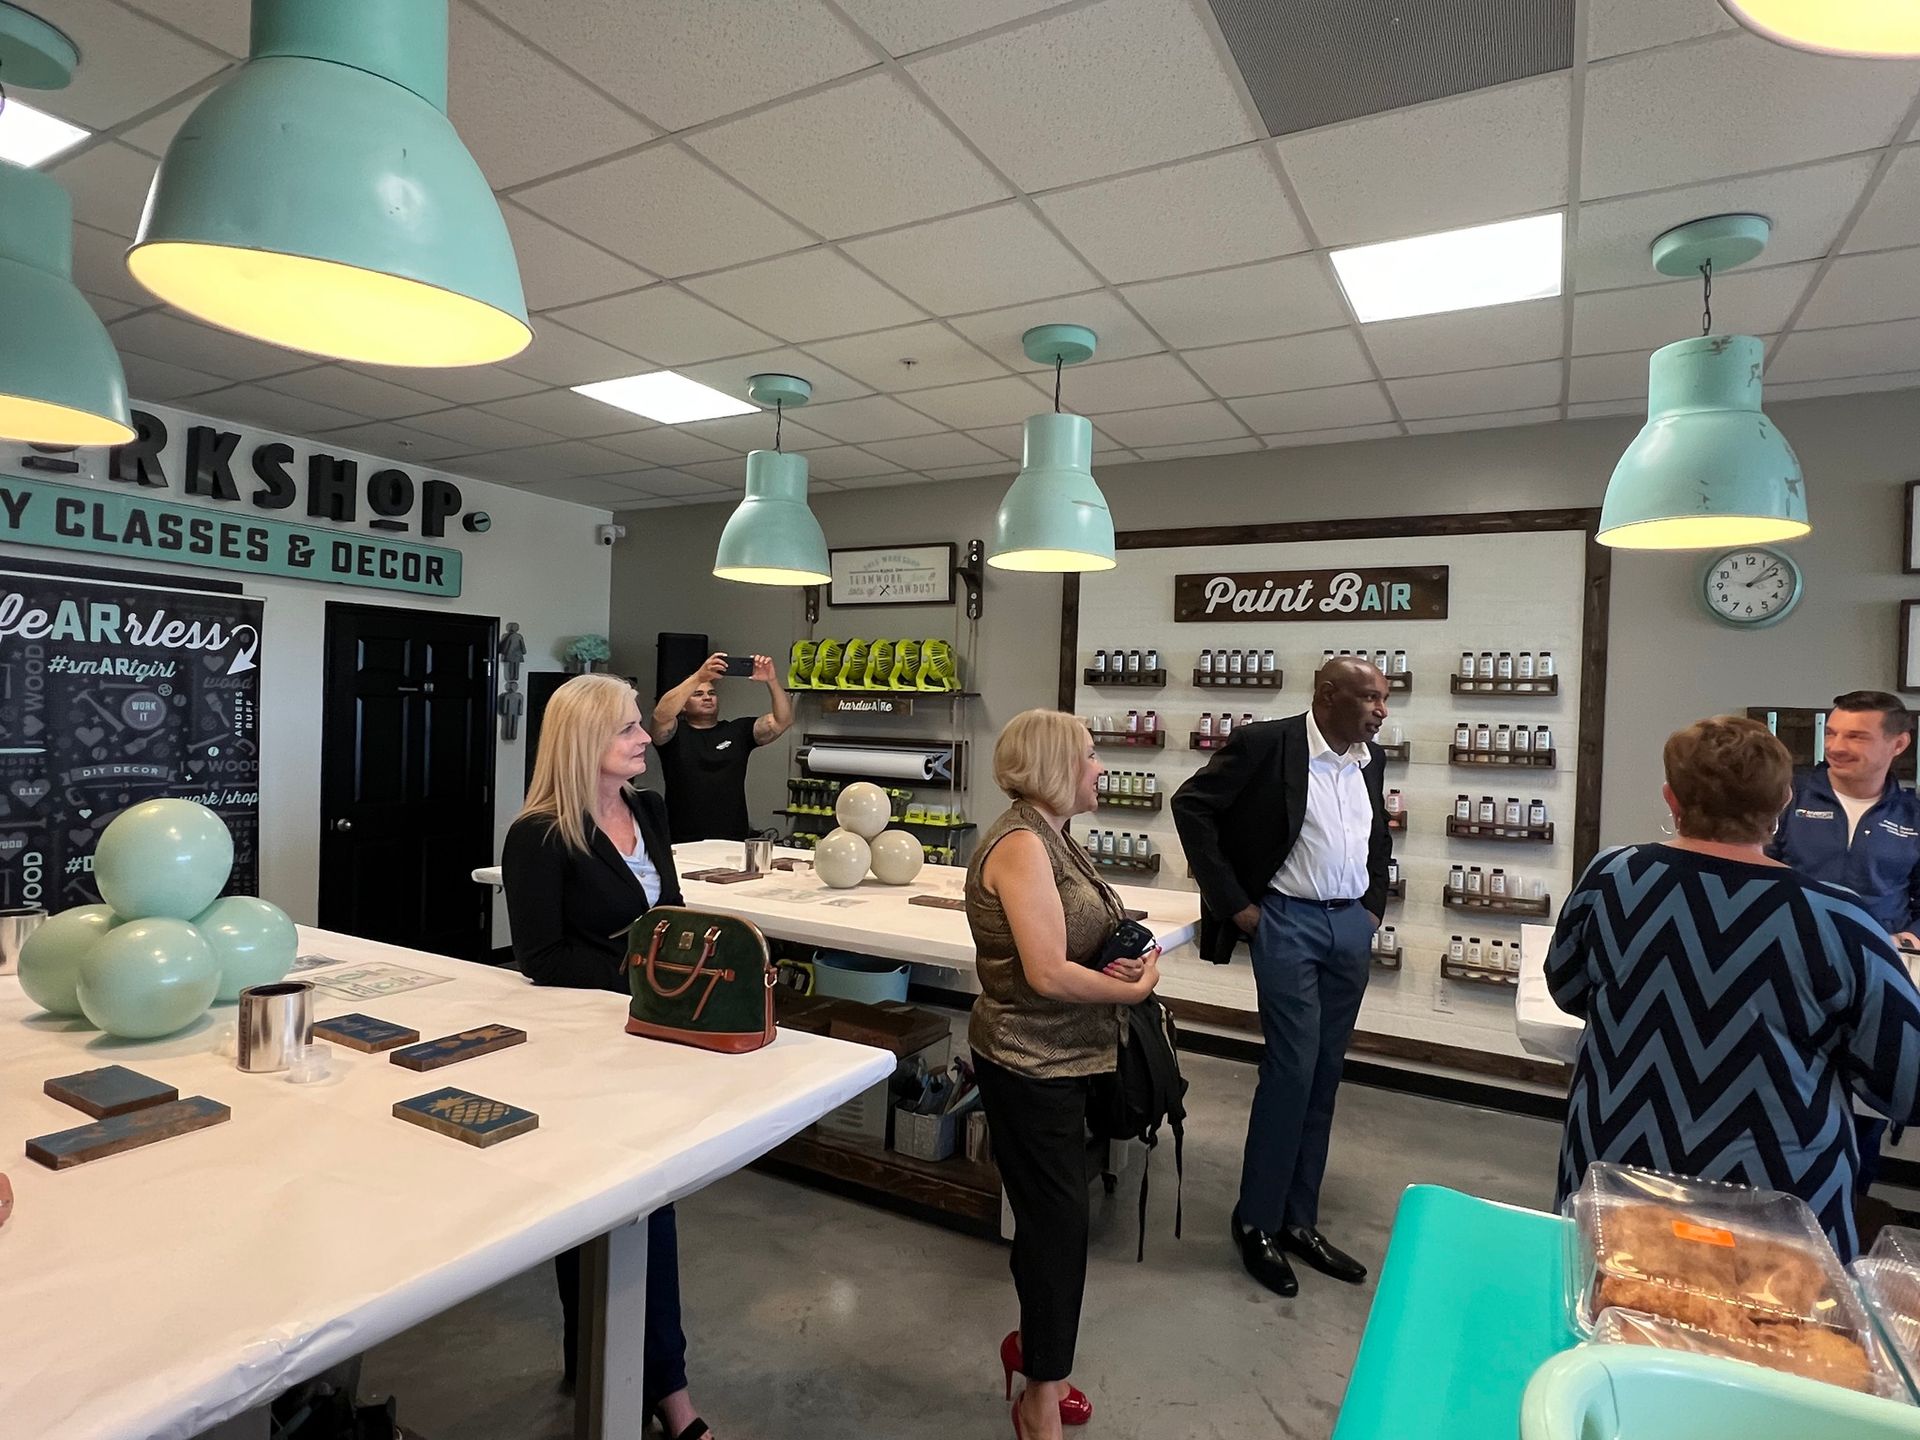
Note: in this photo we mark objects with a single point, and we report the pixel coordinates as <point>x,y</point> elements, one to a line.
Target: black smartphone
<point>1129,941</point>
<point>740,666</point>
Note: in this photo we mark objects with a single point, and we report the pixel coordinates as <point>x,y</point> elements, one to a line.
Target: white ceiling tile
<point>128,63</point>
<point>100,266</point>
<point>156,132</point>
<point>351,390</point>
<point>464,385</point>
<point>846,462</point>
<point>520,114</point>
<point>394,442</point>
<point>904,26</point>
<point>1619,26</point>
<point>600,491</point>
<point>973,472</point>
<point>557,268</point>
<point>1599,409</point>
<point>1296,362</point>
<point>1011,440</point>
<point>973,262</point>
<point>805,296</point>
<point>477,430</point>
<point>1807,206</point>
<point>875,156</point>
<point>682,62</point>
<point>561,412</point>
<point>731,375</point>
<point>1121,334</point>
<point>1477,392</point>
<point>1729,105</point>
<point>666,211</point>
<point>882,482</point>
<point>1609,378</point>
<point>678,485</point>
<point>666,445</point>
<point>627,507</point>
<point>932,452</point>
<point>939,356</point>
<point>161,382</point>
<point>1484,156</point>
<point>536,464</point>
<point>1174,425</point>
<point>108,308</point>
<point>1851,350</point>
<point>1196,450</point>
<point>1062,99</point>
<point>1859,289</point>
<point>982,403</point>
<point>1339,435</point>
<point>1141,227</point>
<point>1500,421</point>
<point>729,474</point>
<point>1102,388</point>
<point>667,325</point>
<point>222,23</point>
<point>560,356</point>
<point>108,185</point>
<point>1253,302</point>
<point>1892,216</point>
<point>741,433</point>
<point>1330,408</point>
<point>1858,385</point>
<point>1745,302</point>
<point>173,338</point>
<point>1468,339</point>
<point>877,417</point>
<point>269,409</point>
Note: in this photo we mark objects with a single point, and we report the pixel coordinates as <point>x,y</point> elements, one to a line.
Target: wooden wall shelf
<point>1538,687</point>
<point>1131,802</point>
<point>1471,976</point>
<point>1388,959</point>
<point>1131,739</point>
<point>1496,905</point>
<point>1403,751</point>
<point>1134,679</point>
<point>1397,823</point>
<point>1214,680</point>
<point>1148,866</point>
<point>1458,829</point>
<point>1467,758</point>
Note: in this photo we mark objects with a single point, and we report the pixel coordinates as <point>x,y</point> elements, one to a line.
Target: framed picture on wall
<point>1910,546</point>
<point>893,575</point>
<point>1909,670</point>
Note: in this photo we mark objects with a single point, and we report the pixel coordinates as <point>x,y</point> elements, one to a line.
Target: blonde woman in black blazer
<point>587,857</point>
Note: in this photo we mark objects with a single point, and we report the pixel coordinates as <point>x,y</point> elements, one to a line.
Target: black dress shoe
<point>1311,1246</point>
<point>1261,1255</point>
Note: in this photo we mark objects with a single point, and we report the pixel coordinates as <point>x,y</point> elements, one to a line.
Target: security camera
<point>607,534</point>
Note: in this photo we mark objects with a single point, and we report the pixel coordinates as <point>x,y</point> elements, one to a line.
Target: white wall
<point>539,565</point>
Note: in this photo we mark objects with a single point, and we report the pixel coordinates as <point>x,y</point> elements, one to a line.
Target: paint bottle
<point>1503,667</point>
<point>1223,727</point>
<point>1153,660</point>
<point>1206,662</point>
<point>1150,722</point>
<point>1133,662</point>
<point>1400,662</point>
<point>1380,661</point>
<point>1466,665</point>
<point>1124,849</point>
<point>1246,719</point>
<point>1542,739</point>
<point>1497,884</point>
<point>1503,740</point>
<point>1393,870</point>
<point>1513,958</point>
<point>1485,671</point>
<point>1150,784</point>
<point>1476,882</point>
<point>1457,950</point>
<point>1100,661</point>
<point>1386,940</point>
<point>1545,664</point>
<point>1474,952</point>
<point>1102,783</point>
<point>1236,663</point>
<point>1537,815</point>
<point>1523,665</point>
<point>1515,816</point>
<point>1462,735</point>
<point>1326,656</point>
<point>1483,737</point>
<point>1133,722</point>
<point>1267,666</point>
<point>1142,847</point>
<point>1457,880</point>
<point>1206,724</point>
<point>1394,802</point>
<point>1497,956</point>
<point>1106,845</point>
<point>1485,813</point>
<point>1522,740</point>
<point>1462,809</point>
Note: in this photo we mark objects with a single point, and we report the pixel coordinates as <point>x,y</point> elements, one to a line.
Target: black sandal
<point>696,1427</point>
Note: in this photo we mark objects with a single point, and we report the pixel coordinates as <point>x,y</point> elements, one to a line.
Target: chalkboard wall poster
<point>113,692</point>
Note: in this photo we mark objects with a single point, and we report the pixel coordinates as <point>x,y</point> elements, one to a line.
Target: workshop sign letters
<point>1401,592</point>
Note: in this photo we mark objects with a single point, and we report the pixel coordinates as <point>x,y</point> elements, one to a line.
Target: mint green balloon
<point>252,940</point>
<point>163,858</point>
<point>148,978</point>
<point>50,960</point>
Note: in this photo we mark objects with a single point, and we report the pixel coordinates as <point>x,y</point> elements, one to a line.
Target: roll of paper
<point>919,765</point>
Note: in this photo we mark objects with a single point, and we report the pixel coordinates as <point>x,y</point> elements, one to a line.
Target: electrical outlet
<point>1443,995</point>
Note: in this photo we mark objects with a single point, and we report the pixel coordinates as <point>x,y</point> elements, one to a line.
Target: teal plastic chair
<point>1627,1392</point>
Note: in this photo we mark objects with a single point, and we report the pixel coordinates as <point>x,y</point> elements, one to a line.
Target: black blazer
<point>569,911</point>
<point>1240,815</point>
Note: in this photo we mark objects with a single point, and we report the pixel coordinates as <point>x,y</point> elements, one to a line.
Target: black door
<point>406,778</point>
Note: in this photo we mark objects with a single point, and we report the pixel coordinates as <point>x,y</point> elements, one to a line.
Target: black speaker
<point>678,655</point>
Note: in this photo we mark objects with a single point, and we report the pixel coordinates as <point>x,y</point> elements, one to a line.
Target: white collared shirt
<point>1329,860</point>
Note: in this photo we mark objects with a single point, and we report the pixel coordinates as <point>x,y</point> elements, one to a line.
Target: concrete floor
<point>838,1319</point>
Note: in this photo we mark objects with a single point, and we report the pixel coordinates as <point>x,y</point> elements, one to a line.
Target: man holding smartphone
<point>704,758</point>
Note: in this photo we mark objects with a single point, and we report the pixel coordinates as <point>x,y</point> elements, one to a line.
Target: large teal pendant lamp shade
<point>1708,469</point>
<point>320,199</point>
<point>1053,517</point>
<point>772,538</point>
<point>60,380</point>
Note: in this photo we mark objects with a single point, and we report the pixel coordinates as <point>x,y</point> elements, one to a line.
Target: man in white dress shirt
<point>1285,830</point>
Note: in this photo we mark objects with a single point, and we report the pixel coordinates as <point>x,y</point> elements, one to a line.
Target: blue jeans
<point>1310,969</point>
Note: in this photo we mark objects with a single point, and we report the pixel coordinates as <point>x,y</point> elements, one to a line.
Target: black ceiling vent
<point>1316,62</point>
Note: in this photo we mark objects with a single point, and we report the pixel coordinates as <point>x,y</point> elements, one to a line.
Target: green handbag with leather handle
<point>700,979</point>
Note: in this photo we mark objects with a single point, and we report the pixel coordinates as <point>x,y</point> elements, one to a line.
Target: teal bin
<point>866,978</point>
<point>1627,1392</point>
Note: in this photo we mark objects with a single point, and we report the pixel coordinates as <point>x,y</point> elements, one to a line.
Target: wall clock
<point>1751,587</point>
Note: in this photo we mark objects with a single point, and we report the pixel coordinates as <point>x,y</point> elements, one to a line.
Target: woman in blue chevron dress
<point>1735,1009</point>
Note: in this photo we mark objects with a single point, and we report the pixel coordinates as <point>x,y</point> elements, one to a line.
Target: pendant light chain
<point>1706,298</point>
<point>1059,364</point>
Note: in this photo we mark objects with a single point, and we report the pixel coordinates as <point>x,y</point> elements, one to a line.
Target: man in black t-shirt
<point>704,758</point>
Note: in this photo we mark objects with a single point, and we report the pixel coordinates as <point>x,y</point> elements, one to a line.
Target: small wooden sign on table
<point>67,1148</point>
<point>364,1033</point>
<point>451,1049</point>
<point>111,1090</point>
<point>466,1116</point>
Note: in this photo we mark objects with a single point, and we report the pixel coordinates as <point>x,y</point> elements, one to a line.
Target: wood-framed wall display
<point>892,575</point>
<point>1909,671</point>
<point>1910,543</point>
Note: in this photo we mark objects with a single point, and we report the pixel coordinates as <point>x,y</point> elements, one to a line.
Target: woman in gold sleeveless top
<point>1045,1025</point>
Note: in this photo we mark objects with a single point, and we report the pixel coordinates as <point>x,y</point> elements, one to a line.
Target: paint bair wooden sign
<point>1398,592</point>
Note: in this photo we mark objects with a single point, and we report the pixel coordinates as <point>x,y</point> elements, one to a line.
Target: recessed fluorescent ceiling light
<point>666,397</point>
<point>30,137</point>
<point>1454,270</point>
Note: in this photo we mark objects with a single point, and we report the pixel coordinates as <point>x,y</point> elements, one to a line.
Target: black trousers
<point>663,1360</point>
<point>1039,1134</point>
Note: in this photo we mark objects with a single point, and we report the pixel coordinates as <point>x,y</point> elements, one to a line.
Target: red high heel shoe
<point>1075,1407</point>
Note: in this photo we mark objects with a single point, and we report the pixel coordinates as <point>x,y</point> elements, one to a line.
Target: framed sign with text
<point>893,575</point>
<point>1399,592</point>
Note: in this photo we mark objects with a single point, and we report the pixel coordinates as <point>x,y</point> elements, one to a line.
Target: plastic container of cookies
<point>1720,1269</point>
<point>1888,1277</point>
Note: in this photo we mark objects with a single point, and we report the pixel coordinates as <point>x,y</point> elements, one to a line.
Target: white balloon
<point>897,857</point>
<point>841,859</point>
<point>863,808</point>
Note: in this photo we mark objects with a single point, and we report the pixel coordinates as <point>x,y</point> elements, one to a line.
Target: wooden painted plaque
<point>67,1148</point>
<point>110,1090</point>
<point>364,1033</point>
<point>466,1116</point>
<point>451,1049</point>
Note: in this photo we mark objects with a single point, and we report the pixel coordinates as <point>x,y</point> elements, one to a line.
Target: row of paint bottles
<point>1129,783</point>
<point>1126,662</point>
<point>1512,816</point>
<point>1495,957</point>
<point>1524,666</point>
<point>1502,739</point>
<point>1234,666</point>
<point>1105,845</point>
<point>1387,663</point>
<point>1223,726</point>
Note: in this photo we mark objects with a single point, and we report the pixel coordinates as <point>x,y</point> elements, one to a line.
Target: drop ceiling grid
<point>194,50</point>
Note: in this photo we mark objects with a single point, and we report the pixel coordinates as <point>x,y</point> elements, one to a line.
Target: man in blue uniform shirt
<point>1850,822</point>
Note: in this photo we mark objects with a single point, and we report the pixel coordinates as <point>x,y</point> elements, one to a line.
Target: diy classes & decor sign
<point>1400,592</point>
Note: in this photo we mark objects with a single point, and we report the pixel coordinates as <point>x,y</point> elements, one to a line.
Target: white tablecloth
<point>154,1293</point>
<point>1545,1029</point>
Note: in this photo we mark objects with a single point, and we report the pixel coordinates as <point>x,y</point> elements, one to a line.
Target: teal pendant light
<point>60,380</point>
<point>320,199</point>
<point>1053,517</point>
<point>772,538</point>
<point>1708,469</point>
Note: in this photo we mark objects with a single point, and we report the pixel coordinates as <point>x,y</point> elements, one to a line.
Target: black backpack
<point>1146,1091</point>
